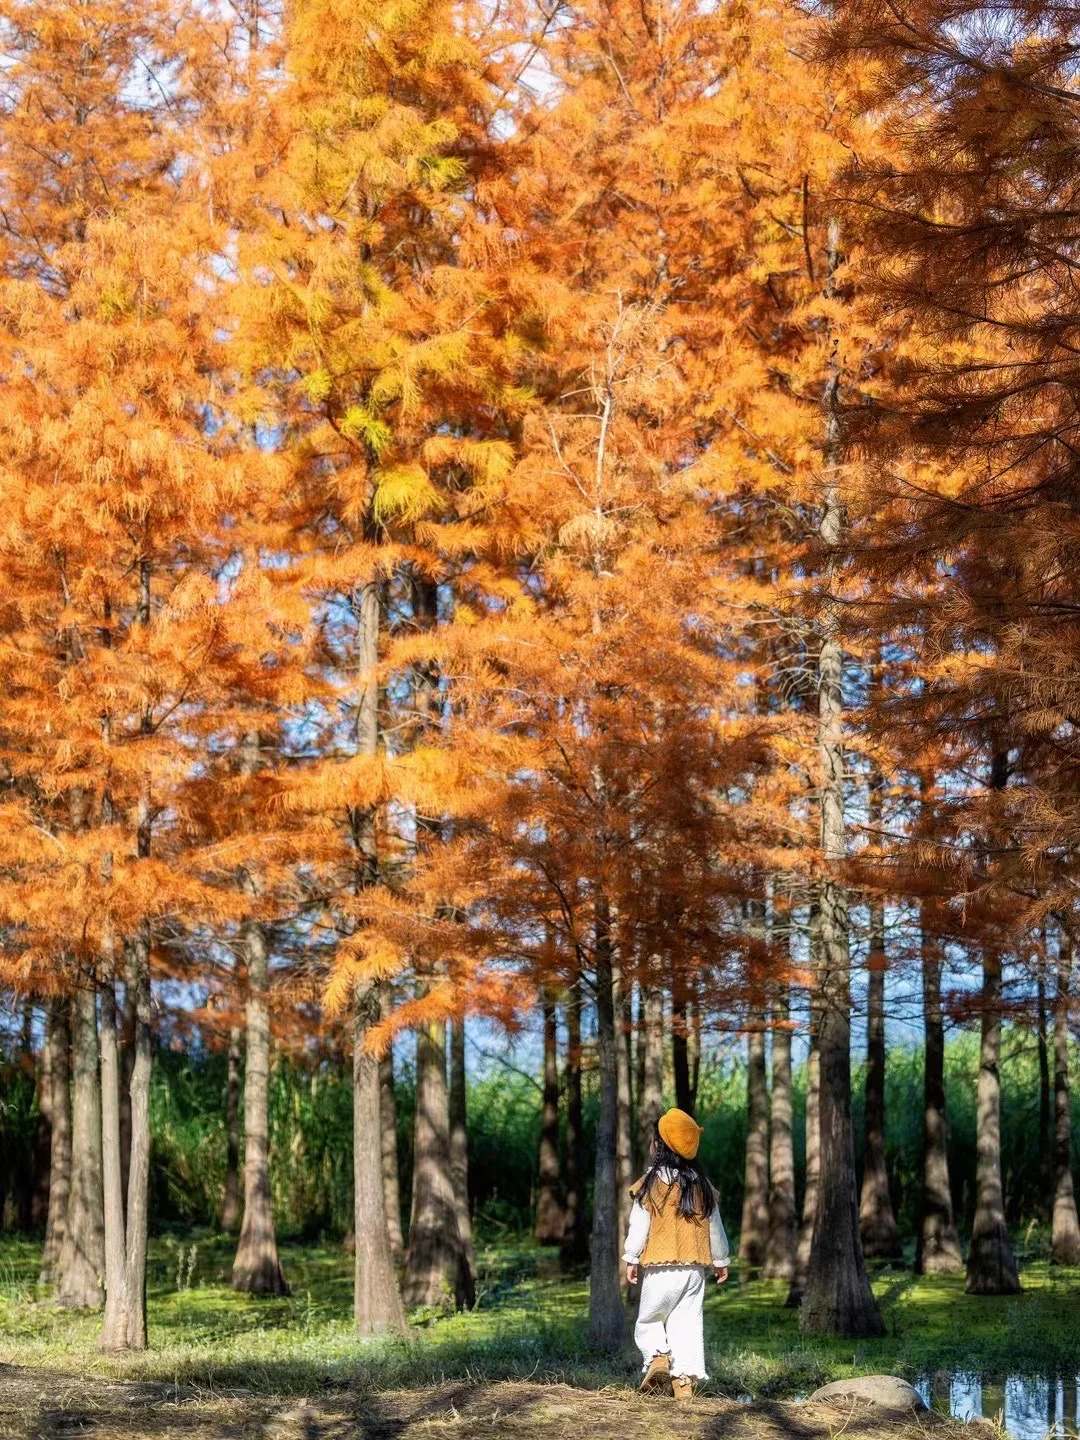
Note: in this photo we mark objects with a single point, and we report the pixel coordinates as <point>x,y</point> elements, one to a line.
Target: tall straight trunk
<point>257,1269</point>
<point>639,1075</point>
<point>459,1153</point>
<point>695,1045</point>
<point>112,1328</point>
<point>377,1303</point>
<point>780,1247</point>
<point>58,1041</point>
<point>127,1226</point>
<point>388,1145</point>
<point>17,1176</point>
<point>991,1268</point>
<point>877,1223</point>
<point>837,1299</point>
<point>754,1232</point>
<point>680,1046</point>
<point>624,1159</point>
<point>135,1113</point>
<point>575,1247</point>
<point>81,1266</point>
<point>363,831</point>
<point>230,1203</point>
<point>127,1065</point>
<point>138,1189</point>
<point>39,1194</point>
<point>1046,1144</point>
<point>937,1245</point>
<point>651,1041</point>
<point>550,1219</point>
<point>435,1266</point>
<point>808,1219</point>
<point>1065,1233</point>
<point>607,1323</point>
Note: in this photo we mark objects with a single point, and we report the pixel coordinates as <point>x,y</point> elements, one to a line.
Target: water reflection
<point>1031,1408</point>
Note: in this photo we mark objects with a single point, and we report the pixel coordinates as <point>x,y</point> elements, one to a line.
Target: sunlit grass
<point>530,1320</point>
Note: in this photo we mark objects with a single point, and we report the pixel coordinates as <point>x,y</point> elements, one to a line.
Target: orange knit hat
<point>680,1132</point>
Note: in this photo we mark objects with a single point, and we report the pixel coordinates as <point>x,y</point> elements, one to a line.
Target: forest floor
<point>50,1405</point>
<point>527,1330</point>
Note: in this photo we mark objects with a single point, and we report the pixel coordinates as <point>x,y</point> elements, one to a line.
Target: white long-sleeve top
<point>638,1232</point>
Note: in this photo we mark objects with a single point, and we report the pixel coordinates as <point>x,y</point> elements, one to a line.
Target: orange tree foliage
<point>963,493</point>
<point>660,262</point>
<point>555,363</point>
<point>127,636</point>
<point>372,353</point>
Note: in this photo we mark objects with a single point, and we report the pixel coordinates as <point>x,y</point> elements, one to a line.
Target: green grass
<point>529,1322</point>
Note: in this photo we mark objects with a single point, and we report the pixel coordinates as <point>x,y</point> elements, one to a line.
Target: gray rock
<point>885,1391</point>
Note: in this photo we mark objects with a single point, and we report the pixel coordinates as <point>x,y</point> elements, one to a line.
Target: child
<point>676,1236</point>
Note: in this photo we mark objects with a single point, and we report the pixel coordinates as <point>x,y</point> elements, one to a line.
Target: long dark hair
<point>697,1198</point>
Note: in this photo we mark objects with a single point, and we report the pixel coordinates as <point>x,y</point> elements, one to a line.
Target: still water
<point>1029,1408</point>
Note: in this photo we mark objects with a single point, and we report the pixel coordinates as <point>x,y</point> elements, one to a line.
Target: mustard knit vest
<point>672,1240</point>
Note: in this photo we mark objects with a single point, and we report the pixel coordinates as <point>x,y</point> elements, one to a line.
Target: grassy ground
<point>528,1324</point>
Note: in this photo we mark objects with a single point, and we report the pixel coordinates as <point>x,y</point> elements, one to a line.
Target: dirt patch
<point>45,1405</point>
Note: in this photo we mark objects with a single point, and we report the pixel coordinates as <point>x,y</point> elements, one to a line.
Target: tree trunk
<point>651,1040</point>
<point>435,1266</point>
<point>17,1175</point>
<point>680,1047</point>
<point>389,1144</point>
<point>138,1191</point>
<point>375,1230</point>
<point>81,1267</point>
<point>813,1126</point>
<point>550,1219</point>
<point>230,1205</point>
<point>780,1248</point>
<point>754,1232</point>
<point>575,1246</point>
<point>606,1319</point>
<point>1046,1146</point>
<point>937,1245</point>
<point>837,1299</point>
<point>376,1300</point>
<point>257,1269</point>
<point>991,1269</point>
<point>459,1155</point>
<point>813,1168</point>
<point>58,1041</point>
<point>39,1194</point>
<point>877,1223</point>
<point>127,1065</point>
<point>695,1046</point>
<point>1065,1234</point>
<point>135,1116</point>
<point>639,1077</point>
<point>624,1159</point>
<point>112,1328</point>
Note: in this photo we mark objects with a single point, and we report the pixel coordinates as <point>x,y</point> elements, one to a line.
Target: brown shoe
<point>657,1380</point>
<point>683,1387</point>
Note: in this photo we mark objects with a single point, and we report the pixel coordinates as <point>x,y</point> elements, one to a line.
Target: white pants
<point>669,1317</point>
